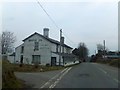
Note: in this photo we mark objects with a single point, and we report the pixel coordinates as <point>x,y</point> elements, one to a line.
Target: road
<point>90,75</point>
<point>36,79</point>
<point>0,74</point>
<point>84,75</point>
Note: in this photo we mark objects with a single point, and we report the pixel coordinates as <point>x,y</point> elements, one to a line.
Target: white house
<point>41,49</point>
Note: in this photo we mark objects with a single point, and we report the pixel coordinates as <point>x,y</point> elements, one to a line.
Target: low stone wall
<point>71,63</point>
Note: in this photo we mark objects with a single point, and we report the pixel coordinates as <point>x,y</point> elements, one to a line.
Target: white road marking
<point>103,70</point>
<point>53,78</point>
<point>54,84</point>
<point>63,70</point>
<point>116,80</point>
<point>109,75</point>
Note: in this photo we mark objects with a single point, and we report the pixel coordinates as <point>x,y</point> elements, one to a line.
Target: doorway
<point>21,59</point>
<point>53,61</point>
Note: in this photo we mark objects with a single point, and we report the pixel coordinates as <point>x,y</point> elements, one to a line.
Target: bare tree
<point>81,51</point>
<point>100,47</point>
<point>7,42</point>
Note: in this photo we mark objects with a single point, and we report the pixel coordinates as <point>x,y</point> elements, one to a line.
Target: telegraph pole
<point>104,48</point>
<point>60,47</point>
<point>95,52</point>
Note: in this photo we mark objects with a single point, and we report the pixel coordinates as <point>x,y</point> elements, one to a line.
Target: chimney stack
<point>62,43</point>
<point>46,32</point>
<point>62,40</point>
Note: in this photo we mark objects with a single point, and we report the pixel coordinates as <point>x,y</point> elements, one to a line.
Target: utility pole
<point>95,52</point>
<point>104,49</point>
<point>60,47</point>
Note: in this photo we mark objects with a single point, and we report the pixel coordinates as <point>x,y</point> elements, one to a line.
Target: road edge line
<point>53,78</point>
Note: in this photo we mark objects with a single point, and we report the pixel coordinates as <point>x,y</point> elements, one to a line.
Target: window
<point>36,46</point>
<point>22,49</point>
<point>36,59</point>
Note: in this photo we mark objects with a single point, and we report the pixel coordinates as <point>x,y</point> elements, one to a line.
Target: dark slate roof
<point>49,39</point>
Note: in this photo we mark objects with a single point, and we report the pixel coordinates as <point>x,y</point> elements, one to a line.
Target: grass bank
<point>10,81</point>
<point>111,62</point>
<point>8,78</point>
<point>32,68</point>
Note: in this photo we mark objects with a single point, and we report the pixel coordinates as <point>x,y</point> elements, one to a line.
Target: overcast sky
<point>87,21</point>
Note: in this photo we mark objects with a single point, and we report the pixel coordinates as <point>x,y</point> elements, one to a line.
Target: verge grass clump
<point>8,78</point>
<point>115,62</point>
<point>111,62</point>
<point>32,68</point>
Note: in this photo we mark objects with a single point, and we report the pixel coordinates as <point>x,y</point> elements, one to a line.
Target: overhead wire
<point>47,14</point>
<point>53,21</point>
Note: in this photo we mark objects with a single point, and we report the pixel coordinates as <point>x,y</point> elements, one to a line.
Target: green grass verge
<point>8,78</point>
<point>112,62</point>
<point>115,63</point>
<point>40,68</point>
<point>31,68</point>
<point>10,81</point>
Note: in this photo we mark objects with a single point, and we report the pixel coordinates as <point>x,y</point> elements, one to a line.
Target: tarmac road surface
<point>84,75</point>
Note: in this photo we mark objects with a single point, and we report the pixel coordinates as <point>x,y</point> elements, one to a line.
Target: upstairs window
<point>36,46</point>
<point>22,49</point>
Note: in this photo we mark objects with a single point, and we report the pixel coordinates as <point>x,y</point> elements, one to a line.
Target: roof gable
<point>47,38</point>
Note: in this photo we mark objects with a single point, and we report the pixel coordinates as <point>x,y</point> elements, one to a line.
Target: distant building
<point>43,50</point>
<point>112,55</point>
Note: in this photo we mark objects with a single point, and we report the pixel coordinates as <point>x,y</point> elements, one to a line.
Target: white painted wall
<point>57,58</point>
<point>45,50</point>
<point>53,47</point>
<point>18,53</point>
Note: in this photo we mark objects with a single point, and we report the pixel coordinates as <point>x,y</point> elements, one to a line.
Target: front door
<point>53,61</point>
<point>21,59</point>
